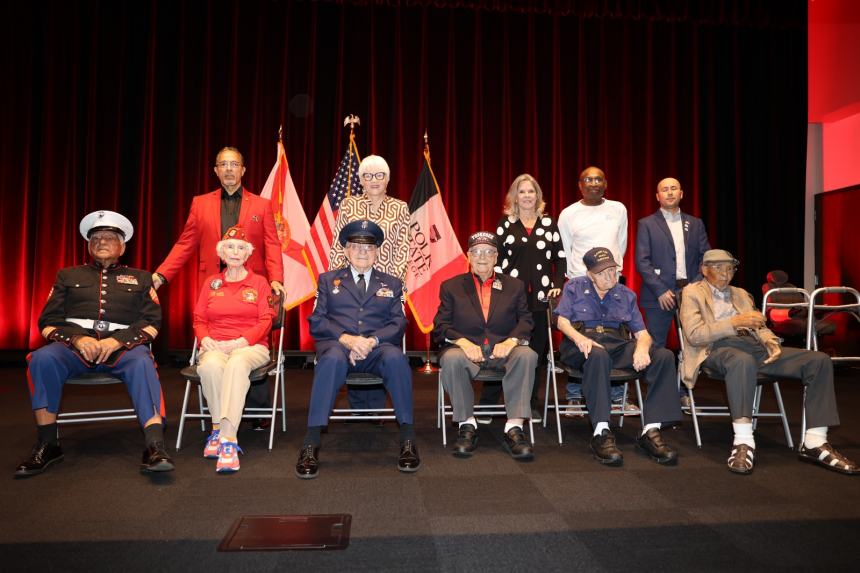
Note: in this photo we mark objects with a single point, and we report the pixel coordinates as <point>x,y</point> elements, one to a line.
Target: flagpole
<point>350,120</point>
<point>428,367</point>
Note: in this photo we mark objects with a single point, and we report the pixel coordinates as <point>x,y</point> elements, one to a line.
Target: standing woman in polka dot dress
<point>530,249</point>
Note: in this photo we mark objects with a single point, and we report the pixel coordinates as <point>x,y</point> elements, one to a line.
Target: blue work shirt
<point>580,302</point>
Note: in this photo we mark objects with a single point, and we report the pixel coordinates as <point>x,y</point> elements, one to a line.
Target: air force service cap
<point>106,221</point>
<point>361,231</point>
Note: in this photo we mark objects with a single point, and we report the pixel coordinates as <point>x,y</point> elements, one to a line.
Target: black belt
<point>681,283</point>
<point>599,329</point>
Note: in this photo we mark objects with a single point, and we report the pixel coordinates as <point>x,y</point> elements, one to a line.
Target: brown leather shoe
<point>604,449</point>
<point>829,458</point>
<point>652,443</point>
<point>742,459</point>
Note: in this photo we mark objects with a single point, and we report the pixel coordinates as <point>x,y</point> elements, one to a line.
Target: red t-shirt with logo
<point>229,310</point>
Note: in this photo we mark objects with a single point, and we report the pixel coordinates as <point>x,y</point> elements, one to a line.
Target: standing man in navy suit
<point>358,323</point>
<point>669,250</point>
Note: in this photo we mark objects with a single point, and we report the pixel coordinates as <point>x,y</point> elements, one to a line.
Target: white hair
<point>219,248</point>
<point>374,164</point>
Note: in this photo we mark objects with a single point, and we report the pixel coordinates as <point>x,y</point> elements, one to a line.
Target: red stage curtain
<point>123,105</point>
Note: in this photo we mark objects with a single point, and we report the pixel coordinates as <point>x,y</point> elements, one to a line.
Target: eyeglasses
<point>361,247</point>
<point>226,164</point>
<point>485,253</point>
<point>596,179</point>
<point>370,176</point>
<point>107,238</point>
<point>723,267</point>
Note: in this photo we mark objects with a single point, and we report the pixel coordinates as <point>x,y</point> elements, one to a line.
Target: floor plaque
<point>287,532</point>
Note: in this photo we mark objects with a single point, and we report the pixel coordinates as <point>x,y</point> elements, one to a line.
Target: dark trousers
<point>386,360</point>
<point>659,321</point>
<point>50,366</point>
<point>661,403</point>
<point>539,342</point>
<point>739,358</point>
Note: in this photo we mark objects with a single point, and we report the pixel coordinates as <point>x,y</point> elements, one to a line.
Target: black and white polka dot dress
<point>536,258</point>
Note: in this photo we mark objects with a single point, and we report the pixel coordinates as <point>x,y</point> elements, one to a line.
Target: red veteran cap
<point>235,232</point>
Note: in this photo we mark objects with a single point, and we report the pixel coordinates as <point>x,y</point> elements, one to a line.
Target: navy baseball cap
<point>598,259</point>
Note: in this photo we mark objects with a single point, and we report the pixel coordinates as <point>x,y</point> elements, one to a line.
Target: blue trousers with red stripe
<point>51,365</point>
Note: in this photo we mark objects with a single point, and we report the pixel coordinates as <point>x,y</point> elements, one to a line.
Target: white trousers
<point>224,378</point>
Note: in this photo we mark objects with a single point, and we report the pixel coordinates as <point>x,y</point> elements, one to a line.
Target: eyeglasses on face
<point>106,237</point>
<point>723,267</point>
<point>485,253</point>
<point>595,179</point>
<point>361,247</point>
<point>226,164</point>
<point>370,176</point>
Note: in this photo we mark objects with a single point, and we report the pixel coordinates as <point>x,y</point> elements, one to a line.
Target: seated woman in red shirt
<point>232,320</point>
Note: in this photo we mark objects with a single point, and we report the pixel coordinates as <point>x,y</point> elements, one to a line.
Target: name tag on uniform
<point>385,292</point>
<point>127,279</point>
<point>216,293</point>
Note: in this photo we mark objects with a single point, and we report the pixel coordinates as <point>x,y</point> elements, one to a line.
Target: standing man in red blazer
<point>210,217</point>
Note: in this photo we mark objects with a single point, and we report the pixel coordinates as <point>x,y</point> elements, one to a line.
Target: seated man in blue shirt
<point>593,314</point>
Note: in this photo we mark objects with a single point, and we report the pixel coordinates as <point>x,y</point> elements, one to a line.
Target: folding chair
<point>260,375</point>
<point>813,330</point>
<point>723,411</point>
<point>363,380</point>
<point>484,375</point>
<point>95,379</point>
<point>615,377</point>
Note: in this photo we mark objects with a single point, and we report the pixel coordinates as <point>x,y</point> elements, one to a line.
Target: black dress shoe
<point>42,456</point>
<point>408,460</point>
<point>652,443</point>
<point>517,444</point>
<point>604,449</point>
<point>308,465</point>
<point>467,440</point>
<point>155,459</point>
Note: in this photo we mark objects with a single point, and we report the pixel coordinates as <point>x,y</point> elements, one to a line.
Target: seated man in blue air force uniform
<point>99,317</point>
<point>595,315</point>
<point>358,324</point>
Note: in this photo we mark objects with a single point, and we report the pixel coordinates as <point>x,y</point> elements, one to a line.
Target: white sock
<point>470,420</point>
<point>815,437</point>
<point>743,434</point>
<point>508,426</point>
<point>599,427</point>
<point>655,425</point>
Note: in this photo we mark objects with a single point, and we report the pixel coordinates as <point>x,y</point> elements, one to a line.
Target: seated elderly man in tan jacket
<point>723,332</point>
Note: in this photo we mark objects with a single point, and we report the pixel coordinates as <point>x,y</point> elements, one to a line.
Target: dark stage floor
<point>563,511</point>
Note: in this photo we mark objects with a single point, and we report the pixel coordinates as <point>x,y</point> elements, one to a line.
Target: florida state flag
<point>434,252</point>
<point>293,229</point>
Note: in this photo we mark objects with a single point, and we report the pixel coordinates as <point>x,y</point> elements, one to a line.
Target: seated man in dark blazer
<point>483,321</point>
<point>358,324</point>
<point>593,314</point>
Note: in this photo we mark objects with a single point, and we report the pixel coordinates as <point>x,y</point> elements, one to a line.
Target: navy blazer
<point>340,309</point>
<point>460,315</point>
<point>655,255</point>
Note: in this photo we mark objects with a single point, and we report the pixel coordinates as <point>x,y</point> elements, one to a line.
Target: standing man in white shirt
<point>593,221</point>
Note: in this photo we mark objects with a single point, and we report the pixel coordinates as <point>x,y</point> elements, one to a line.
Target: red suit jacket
<point>203,231</point>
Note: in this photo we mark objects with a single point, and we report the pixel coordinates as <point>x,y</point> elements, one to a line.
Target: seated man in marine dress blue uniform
<point>358,323</point>
<point>99,317</point>
<point>593,314</point>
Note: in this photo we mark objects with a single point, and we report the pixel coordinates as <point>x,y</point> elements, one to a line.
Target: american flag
<point>345,183</point>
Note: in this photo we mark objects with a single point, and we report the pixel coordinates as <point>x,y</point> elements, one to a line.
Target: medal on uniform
<point>336,283</point>
<point>216,284</point>
<point>497,284</point>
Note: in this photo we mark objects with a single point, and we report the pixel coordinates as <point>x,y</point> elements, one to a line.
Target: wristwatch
<point>519,341</point>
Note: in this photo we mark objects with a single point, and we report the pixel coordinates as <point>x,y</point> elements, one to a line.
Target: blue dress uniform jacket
<point>106,296</point>
<point>340,309</point>
<point>460,315</point>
